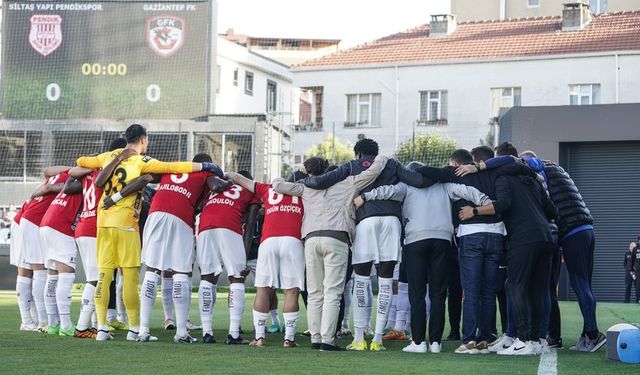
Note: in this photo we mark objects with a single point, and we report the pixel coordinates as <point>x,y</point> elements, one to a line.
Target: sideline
<point>548,363</point>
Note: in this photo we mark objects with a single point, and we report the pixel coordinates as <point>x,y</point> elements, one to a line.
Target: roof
<point>486,40</point>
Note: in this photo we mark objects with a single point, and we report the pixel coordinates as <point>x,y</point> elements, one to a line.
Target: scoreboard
<point>105,59</point>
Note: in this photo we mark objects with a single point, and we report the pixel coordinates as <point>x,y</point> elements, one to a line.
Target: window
<point>218,81</point>
<point>235,77</point>
<point>272,89</point>
<point>533,3</point>
<point>433,107</point>
<point>298,159</point>
<point>598,6</point>
<point>363,110</point>
<point>584,94</point>
<point>504,97</point>
<point>248,83</point>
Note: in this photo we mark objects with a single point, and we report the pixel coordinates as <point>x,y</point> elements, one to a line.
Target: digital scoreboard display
<point>105,60</point>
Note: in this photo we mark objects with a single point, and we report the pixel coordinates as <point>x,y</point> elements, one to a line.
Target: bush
<point>432,149</point>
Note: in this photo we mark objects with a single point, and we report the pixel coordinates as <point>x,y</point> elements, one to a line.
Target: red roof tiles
<point>485,40</point>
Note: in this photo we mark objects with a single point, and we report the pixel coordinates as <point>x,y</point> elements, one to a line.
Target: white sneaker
<point>42,327</point>
<point>537,347</point>
<point>435,347</point>
<point>501,344</point>
<point>145,337</point>
<point>518,348</point>
<point>582,345</point>
<point>544,347</point>
<point>103,336</point>
<point>413,348</point>
<point>368,332</point>
<point>132,336</point>
<point>29,327</point>
<point>193,327</point>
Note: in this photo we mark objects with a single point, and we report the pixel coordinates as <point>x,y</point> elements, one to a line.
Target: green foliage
<point>432,149</point>
<point>332,149</point>
<point>489,139</point>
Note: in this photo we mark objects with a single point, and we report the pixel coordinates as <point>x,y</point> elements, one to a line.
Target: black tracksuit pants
<point>528,273</point>
<point>427,261</point>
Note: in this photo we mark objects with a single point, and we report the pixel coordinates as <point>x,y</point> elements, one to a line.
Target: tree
<point>432,149</point>
<point>332,149</point>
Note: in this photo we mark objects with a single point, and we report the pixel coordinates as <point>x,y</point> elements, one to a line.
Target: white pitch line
<point>548,363</point>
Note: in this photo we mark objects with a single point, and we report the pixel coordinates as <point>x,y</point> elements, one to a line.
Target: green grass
<point>23,352</point>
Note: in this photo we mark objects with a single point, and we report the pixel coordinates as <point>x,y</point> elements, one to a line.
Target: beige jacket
<point>331,209</point>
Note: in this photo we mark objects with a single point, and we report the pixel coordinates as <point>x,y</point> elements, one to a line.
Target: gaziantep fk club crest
<point>45,34</point>
<point>165,34</point>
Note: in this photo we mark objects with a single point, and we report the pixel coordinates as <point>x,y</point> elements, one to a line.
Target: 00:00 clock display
<point>104,70</point>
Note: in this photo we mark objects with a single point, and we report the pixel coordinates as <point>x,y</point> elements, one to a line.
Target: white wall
<point>543,82</point>
<point>233,100</point>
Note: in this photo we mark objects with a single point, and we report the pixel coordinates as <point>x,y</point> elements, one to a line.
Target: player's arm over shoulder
<point>93,162</point>
<point>151,165</point>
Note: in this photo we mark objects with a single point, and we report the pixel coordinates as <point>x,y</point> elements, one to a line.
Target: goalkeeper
<point>118,238</point>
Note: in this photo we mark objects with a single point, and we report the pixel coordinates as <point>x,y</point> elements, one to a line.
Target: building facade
<point>456,78</point>
<point>471,10</point>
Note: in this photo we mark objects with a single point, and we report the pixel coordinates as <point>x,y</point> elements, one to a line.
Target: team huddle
<point>323,232</point>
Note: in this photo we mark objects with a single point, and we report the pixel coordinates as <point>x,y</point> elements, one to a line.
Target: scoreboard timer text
<point>112,60</point>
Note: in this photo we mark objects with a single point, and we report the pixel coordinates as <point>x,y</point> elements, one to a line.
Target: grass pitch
<point>33,353</point>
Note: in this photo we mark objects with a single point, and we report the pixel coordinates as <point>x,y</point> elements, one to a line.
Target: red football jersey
<point>226,209</point>
<point>178,195</point>
<point>62,213</point>
<point>38,206</point>
<point>91,194</point>
<point>282,213</point>
<point>19,213</point>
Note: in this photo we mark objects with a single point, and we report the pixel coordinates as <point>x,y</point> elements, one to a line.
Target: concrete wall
<point>543,129</point>
<point>543,82</point>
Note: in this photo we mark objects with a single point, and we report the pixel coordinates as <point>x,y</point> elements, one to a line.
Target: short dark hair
<point>245,174</point>
<point>462,156</point>
<point>117,143</point>
<point>482,153</point>
<point>366,146</point>
<point>506,148</point>
<point>134,133</point>
<point>316,165</point>
<point>202,158</point>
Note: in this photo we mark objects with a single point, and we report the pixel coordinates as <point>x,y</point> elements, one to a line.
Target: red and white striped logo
<point>45,34</point>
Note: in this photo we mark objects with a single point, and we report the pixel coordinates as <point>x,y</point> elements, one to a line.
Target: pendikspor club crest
<point>45,34</point>
<point>165,34</point>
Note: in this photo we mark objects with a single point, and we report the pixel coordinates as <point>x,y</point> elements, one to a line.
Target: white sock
<point>121,311</point>
<point>236,308</point>
<point>181,299</point>
<point>94,317</point>
<point>189,304</point>
<point>87,308</point>
<point>167,297</point>
<point>50,303</point>
<point>402,306</point>
<point>348,292</point>
<point>63,299</point>
<point>385,294</point>
<point>369,303</point>
<point>111,315</point>
<point>290,323</point>
<point>259,321</point>
<point>407,326</point>
<point>207,293</point>
<point>148,293</point>
<point>274,316</point>
<point>360,303</point>
<point>391,322</point>
<point>37,291</point>
<point>23,292</point>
